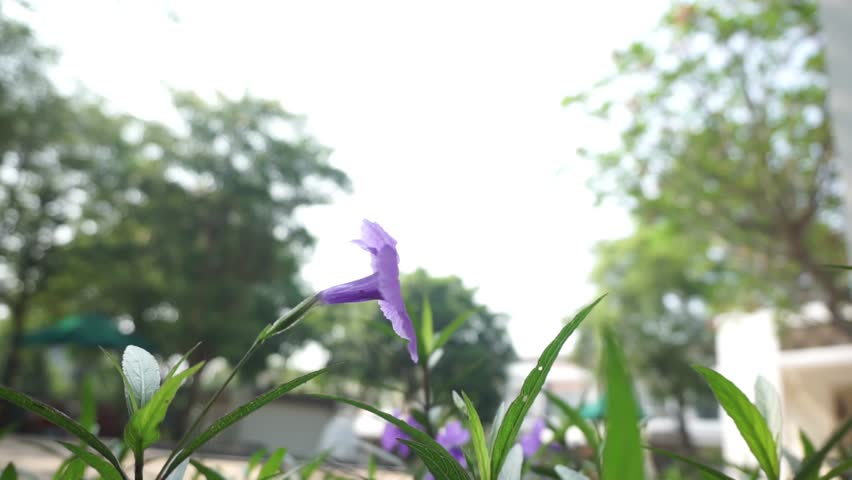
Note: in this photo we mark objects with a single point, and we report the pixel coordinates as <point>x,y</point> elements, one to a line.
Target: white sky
<point>445,114</point>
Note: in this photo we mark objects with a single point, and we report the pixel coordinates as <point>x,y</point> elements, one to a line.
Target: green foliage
<point>812,463</point>
<point>60,420</point>
<point>707,470</point>
<point>104,468</point>
<point>9,473</point>
<point>748,419</point>
<point>436,458</point>
<point>574,418</point>
<point>236,415</point>
<point>272,464</point>
<point>532,385</point>
<point>206,471</point>
<point>622,451</point>
<point>143,428</point>
<point>143,374</point>
<point>477,437</point>
<point>474,344</point>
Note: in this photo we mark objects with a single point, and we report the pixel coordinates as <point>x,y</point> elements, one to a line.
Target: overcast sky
<point>445,114</point>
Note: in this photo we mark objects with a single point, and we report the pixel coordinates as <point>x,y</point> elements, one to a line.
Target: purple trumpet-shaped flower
<point>392,435</point>
<point>531,441</point>
<point>452,437</point>
<point>382,285</point>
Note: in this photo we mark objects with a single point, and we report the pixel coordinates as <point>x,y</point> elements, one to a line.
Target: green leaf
<point>807,444</point>
<point>441,465</point>
<point>768,403</point>
<point>518,409</point>
<point>841,468</point>
<point>813,462</point>
<point>107,471</point>
<point>177,365</point>
<point>142,372</point>
<point>59,419</point>
<point>622,450</point>
<point>437,459</point>
<point>495,425</point>
<point>254,460</point>
<point>132,404</point>
<point>477,438</point>
<point>143,429</point>
<point>308,469</point>
<point>273,464</point>
<point>9,473</point>
<point>588,430</point>
<point>88,410</point>
<point>448,331</point>
<point>749,421</point>
<point>208,472</point>
<point>238,414</point>
<point>513,465</point>
<point>706,469</point>
<point>426,329</point>
<point>371,468</point>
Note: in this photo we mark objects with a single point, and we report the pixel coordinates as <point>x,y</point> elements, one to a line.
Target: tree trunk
<point>685,439</point>
<point>13,357</point>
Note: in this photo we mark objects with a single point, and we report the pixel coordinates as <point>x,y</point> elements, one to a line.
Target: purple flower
<point>392,435</point>
<point>382,285</point>
<point>452,437</point>
<point>531,441</point>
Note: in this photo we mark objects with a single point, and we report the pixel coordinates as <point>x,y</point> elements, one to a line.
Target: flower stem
<point>427,398</point>
<point>140,466</point>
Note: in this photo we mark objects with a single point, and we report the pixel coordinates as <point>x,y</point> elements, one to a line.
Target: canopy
<point>88,330</point>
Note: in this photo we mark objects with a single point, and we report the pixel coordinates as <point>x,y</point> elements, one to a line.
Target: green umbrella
<point>597,410</point>
<point>87,330</point>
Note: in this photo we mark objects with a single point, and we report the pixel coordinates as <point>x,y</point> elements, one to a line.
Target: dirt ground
<point>34,462</point>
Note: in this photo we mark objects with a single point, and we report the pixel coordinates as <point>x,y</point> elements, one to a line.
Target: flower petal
<point>386,265</point>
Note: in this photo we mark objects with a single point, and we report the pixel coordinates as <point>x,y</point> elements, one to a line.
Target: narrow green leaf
<point>495,425</point>
<point>437,459</point>
<point>9,473</point>
<point>208,472</point>
<point>622,450</point>
<point>812,463</point>
<point>177,365</point>
<point>532,385</point>
<point>447,333</point>
<point>107,471</point>
<point>88,410</point>
<point>309,468</point>
<point>143,429</point>
<point>143,373</point>
<point>807,444</point>
<point>426,329</point>
<point>747,418</point>
<point>272,464</point>
<point>239,413</point>
<point>255,460</point>
<point>840,469</point>
<point>706,469</point>
<point>477,438</point>
<point>512,467</point>
<point>440,465</point>
<point>371,468</point>
<point>588,430</point>
<point>59,419</point>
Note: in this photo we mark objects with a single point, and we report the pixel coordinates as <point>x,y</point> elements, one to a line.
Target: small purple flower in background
<point>531,441</point>
<point>392,435</point>
<point>382,285</point>
<point>452,437</point>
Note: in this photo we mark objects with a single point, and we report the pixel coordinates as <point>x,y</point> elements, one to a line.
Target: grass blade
<point>59,419</point>
<point>589,432</point>
<point>107,471</point>
<point>706,469</point>
<point>208,472</point>
<point>273,464</point>
<point>477,438</point>
<point>812,463</point>
<point>437,459</point>
<point>622,451</point>
<point>748,419</point>
<point>238,414</point>
<point>448,331</point>
<point>532,385</point>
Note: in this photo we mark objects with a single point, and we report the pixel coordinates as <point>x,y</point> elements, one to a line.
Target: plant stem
<point>140,465</point>
<point>427,398</point>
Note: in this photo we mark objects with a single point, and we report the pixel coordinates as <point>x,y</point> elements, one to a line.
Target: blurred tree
<point>207,247</point>
<point>659,301</point>
<point>474,360</point>
<point>49,145</point>
<point>726,138</point>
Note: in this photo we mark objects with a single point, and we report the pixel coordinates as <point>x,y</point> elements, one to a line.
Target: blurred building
<point>808,361</point>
